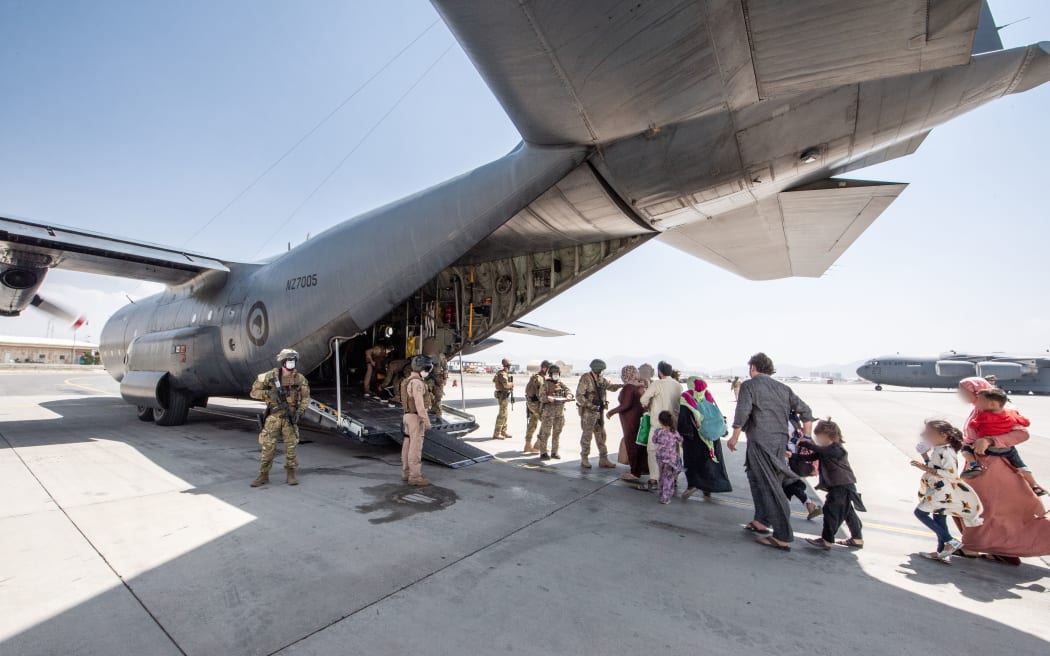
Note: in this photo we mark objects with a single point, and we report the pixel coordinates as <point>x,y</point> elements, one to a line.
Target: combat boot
<point>418,482</point>
<point>585,462</point>
<point>529,448</point>
<point>262,479</point>
<point>605,463</point>
<point>290,476</point>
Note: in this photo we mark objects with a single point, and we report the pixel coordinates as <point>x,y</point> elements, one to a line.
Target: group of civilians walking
<point>670,426</point>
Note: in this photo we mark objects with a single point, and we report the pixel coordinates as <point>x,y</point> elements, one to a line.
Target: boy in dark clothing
<point>837,479</point>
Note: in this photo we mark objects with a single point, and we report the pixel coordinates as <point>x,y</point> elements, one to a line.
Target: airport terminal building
<point>44,350</point>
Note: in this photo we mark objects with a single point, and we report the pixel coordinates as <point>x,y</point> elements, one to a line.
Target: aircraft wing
<point>800,232</point>
<point>592,71</point>
<point>524,328</point>
<point>42,246</point>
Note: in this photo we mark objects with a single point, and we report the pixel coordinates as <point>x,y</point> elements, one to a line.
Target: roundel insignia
<point>258,324</point>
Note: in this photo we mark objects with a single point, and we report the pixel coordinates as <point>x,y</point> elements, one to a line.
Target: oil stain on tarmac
<point>402,501</point>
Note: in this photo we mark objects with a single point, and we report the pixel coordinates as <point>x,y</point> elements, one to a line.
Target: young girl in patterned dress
<point>941,491</point>
<point>667,442</point>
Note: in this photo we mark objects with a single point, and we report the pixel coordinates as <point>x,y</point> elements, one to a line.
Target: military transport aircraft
<point>1015,373</point>
<point>720,127</point>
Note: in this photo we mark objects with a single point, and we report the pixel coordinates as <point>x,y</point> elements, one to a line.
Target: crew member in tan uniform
<point>417,421</point>
<point>504,383</point>
<point>375,359</point>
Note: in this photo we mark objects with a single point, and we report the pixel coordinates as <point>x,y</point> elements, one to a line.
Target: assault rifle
<point>279,399</point>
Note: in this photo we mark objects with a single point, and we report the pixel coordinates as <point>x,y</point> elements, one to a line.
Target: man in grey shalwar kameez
<point>762,412</point>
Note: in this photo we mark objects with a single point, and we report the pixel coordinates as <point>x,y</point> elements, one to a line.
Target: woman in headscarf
<point>630,410</point>
<point>705,468</point>
<point>1015,521</point>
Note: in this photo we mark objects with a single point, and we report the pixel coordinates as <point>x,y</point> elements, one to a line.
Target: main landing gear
<point>878,388</point>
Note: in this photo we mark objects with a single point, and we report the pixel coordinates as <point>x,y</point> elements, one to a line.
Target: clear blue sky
<point>145,118</point>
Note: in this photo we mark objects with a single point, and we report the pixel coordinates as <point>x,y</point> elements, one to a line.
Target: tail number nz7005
<point>302,282</point>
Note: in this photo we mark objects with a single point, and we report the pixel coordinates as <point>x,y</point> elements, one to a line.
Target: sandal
<point>852,543</point>
<point>819,543</point>
<point>937,557</point>
<point>770,542</point>
<point>1039,491</point>
<point>754,529</point>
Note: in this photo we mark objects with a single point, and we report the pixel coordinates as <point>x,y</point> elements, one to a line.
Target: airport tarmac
<point>122,537</point>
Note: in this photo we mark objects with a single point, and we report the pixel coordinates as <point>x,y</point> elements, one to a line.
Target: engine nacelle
<point>21,275</point>
<point>1004,370</point>
<point>955,368</point>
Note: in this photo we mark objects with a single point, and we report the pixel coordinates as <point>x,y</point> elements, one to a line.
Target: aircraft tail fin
<point>987,37</point>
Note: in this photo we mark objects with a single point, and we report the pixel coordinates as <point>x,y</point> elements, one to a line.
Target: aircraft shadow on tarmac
<point>308,560</point>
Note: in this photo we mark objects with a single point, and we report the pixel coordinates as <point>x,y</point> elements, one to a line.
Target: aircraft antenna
<point>357,145</point>
<point>310,132</point>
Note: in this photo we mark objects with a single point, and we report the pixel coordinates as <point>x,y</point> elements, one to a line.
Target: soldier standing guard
<point>287,395</point>
<point>417,421</point>
<point>504,383</point>
<point>591,401</point>
<point>439,376</point>
<point>552,412</point>
<point>532,405</point>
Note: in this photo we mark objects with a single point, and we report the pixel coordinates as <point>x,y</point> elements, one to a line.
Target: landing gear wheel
<point>144,413</point>
<point>878,388</point>
<point>177,410</point>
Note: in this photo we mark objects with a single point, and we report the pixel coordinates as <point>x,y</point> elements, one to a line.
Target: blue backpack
<point>713,426</point>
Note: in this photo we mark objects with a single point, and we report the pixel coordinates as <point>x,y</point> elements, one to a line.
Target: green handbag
<point>643,430</point>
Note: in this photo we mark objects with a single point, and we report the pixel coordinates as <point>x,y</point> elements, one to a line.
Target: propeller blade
<point>76,321</point>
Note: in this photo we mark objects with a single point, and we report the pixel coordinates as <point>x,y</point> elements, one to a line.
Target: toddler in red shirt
<point>992,420</point>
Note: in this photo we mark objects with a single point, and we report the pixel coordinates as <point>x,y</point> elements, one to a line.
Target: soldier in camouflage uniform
<point>287,395</point>
<point>591,401</point>
<point>504,383</point>
<point>439,376</point>
<point>552,412</point>
<point>532,405</point>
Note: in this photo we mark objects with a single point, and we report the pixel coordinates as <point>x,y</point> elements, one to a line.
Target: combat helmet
<point>554,370</point>
<point>422,363</point>
<point>505,362</point>
<point>597,365</point>
<point>546,364</point>
<point>287,354</point>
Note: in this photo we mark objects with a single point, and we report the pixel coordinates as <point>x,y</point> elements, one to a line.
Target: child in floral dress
<point>941,491</point>
<point>667,443</point>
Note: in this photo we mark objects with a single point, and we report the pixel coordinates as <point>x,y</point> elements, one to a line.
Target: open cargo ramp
<point>374,421</point>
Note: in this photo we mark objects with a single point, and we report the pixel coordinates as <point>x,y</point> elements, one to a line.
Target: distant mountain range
<point>616,362</point>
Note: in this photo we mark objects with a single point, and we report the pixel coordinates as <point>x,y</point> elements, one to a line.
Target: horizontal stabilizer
<point>800,232</point>
<point>534,330</point>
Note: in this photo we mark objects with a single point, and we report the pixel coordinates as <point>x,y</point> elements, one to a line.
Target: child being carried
<point>992,420</point>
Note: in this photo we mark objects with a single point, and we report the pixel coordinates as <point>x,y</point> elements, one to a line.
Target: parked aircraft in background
<point>1015,373</point>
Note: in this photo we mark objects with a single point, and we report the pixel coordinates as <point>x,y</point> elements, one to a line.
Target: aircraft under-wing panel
<point>717,126</point>
<point>800,232</point>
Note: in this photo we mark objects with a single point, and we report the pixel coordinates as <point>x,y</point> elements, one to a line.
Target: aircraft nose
<point>863,370</point>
